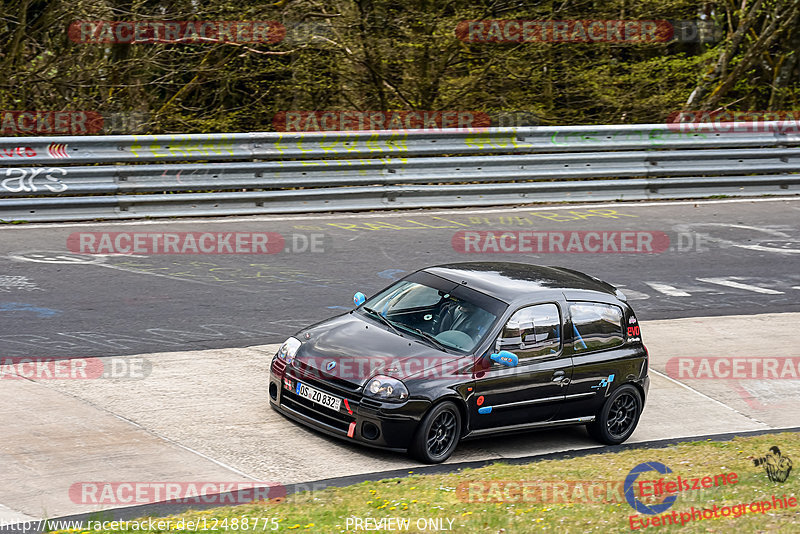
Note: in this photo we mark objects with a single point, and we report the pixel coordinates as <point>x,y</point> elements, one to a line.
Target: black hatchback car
<point>466,350</point>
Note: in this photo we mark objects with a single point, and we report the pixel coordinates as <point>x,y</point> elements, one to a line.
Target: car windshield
<point>445,318</point>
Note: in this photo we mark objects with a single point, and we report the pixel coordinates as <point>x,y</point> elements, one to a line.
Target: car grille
<point>340,420</point>
<point>324,381</point>
<point>337,420</point>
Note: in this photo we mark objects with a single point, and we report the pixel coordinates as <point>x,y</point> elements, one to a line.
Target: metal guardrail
<point>50,179</point>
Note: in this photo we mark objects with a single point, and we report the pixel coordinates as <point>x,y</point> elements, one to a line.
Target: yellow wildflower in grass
<point>297,525</point>
<point>309,525</point>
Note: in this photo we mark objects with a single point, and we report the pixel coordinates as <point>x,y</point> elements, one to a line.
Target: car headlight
<point>386,388</point>
<point>288,350</point>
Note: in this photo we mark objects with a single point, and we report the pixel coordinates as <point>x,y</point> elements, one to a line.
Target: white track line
<point>371,215</point>
<point>728,282</point>
<point>668,290</point>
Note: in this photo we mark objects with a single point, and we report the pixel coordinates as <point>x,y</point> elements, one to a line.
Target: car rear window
<point>595,326</point>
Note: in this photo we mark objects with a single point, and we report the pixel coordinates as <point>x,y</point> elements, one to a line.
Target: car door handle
<point>559,376</point>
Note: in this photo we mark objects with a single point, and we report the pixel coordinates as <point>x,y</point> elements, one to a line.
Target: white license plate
<point>317,396</point>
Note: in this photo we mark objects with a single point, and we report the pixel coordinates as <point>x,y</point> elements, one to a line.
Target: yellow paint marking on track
<point>501,220</point>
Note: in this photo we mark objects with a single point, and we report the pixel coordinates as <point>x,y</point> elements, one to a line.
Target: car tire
<point>617,418</point>
<point>437,435</point>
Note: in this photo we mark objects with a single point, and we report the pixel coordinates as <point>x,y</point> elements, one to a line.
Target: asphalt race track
<point>724,257</point>
<point>201,330</point>
<point>197,416</point>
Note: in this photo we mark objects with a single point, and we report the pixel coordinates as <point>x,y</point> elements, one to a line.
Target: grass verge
<point>585,494</point>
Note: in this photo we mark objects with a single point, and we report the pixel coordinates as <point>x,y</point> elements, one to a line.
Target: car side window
<point>595,326</point>
<point>533,331</point>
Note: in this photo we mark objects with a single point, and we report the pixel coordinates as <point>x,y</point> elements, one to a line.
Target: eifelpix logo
<point>630,496</point>
<point>777,465</point>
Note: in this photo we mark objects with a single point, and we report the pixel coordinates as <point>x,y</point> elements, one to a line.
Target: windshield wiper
<point>383,319</point>
<point>425,335</point>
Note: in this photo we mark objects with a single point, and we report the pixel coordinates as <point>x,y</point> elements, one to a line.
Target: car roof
<point>512,282</point>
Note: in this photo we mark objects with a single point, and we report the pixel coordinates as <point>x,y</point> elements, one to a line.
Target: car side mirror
<point>504,357</point>
<point>359,299</point>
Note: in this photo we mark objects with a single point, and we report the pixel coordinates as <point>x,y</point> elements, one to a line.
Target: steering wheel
<point>445,318</point>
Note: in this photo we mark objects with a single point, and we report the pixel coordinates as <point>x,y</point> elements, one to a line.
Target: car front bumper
<point>366,421</point>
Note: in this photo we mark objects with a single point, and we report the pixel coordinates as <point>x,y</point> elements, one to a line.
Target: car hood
<point>362,348</point>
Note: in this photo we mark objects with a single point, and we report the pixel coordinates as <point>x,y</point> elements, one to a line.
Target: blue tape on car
<point>484,410</point>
